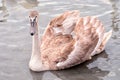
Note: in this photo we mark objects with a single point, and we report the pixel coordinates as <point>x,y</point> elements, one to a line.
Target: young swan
<point>67,41</point>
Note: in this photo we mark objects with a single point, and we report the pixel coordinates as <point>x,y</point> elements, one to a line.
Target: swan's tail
<point>106,37</point>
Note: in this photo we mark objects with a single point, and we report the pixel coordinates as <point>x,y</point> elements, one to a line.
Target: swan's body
<point>67,41</point>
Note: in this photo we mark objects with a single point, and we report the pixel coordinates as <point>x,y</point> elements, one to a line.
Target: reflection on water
<point>80,72</point>
<point>29,3</point>
<point>15,42</point>
<point>115,19</point>
<point>3,12</point>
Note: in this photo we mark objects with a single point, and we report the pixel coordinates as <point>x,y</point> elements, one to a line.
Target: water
<point>15,41</point>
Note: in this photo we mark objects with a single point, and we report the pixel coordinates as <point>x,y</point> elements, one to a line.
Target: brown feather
<point>87,39</point>
<point>58,49</point>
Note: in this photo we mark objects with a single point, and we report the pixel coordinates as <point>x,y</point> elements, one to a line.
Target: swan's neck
<point>35,44</point>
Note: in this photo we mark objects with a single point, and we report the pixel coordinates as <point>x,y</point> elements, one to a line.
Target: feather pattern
<point>89,34</point>
<point>57,41</point>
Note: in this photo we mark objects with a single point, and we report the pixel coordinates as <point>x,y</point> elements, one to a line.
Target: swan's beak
<point>33,26</point>
<point>32,29</point>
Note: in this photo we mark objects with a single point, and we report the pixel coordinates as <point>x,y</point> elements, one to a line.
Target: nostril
<point>31,34</point>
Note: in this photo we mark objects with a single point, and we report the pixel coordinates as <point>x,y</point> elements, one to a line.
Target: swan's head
<point>33,16</point>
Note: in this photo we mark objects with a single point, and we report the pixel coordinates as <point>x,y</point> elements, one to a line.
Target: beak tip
<point>31,34</point>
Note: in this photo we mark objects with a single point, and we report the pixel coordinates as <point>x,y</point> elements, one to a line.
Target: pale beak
<point>32,23</point>
<point>32,29</point>
<point>33,26</point>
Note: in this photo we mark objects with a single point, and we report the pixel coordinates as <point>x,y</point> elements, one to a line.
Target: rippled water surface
<point>15,41</point>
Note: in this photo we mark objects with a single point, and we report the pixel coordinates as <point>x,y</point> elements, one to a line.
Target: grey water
<point>15,40</point>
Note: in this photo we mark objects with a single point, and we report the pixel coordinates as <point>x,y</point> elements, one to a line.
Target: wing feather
<point>89,33</point>
<point>57,41</point>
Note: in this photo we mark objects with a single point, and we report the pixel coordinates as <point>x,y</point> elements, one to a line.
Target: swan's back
<point>69,40</point>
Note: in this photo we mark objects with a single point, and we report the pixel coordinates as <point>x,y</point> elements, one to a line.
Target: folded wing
<point>89,33</point>
<point>57,41</point>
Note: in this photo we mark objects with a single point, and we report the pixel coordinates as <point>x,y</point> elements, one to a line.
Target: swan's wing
<point>106,37</point>
<point>57,41</point>
<point>62,24</point>
<point>89,33</point>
